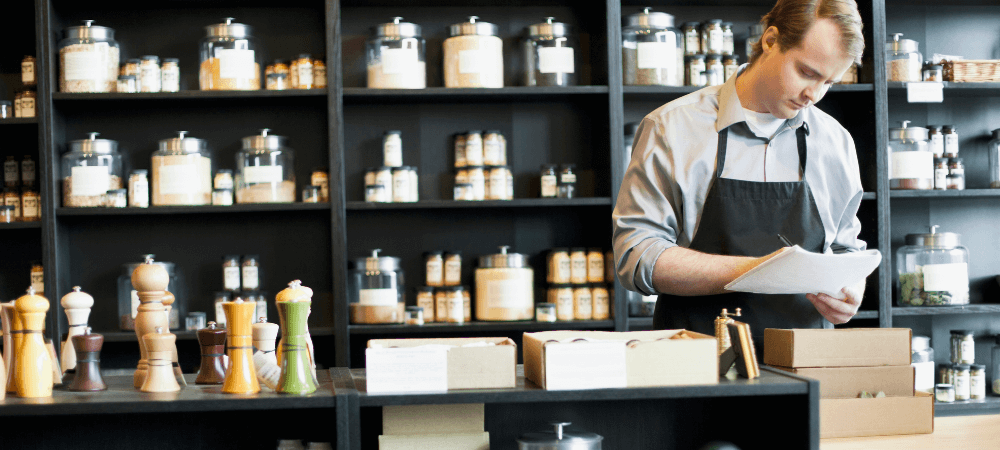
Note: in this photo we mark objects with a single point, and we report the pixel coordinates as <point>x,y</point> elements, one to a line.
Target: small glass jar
<point>401,184</point>
<point>933,72</point>
<point>228,59</point>
<point>250,272</point>
<point>562,296</point>
<point>956,174</point>
<point>151,79</point>
<point>694,66</point>
<point>465,192</point>
<point>550,181</point>
<point>559,266</point>
<point>963,347</point>
<point>28,171</point>
<point>583,302</point>
<point>730,65</point>
<point>88,59</point>
<point>131,67</point>
<point>310,194</point>
<point>182,172</point>
<point>441,304</point>
<point>37,277</point>
<point>453,268</point>
<point>266,170</point>
<point>319,74</point>
<point>276,82</point>
<point>303,72</point>
<point>911,163</point>
<point>321,179</point>
<point>496,186</point>
<point>473,55</point>
<point>474,149</point>
<point>6,109</point>
<point>31,202</point>
<point>550,54</point>
<point>692,38</point>
<point>578,266</point>
<point>414,185</point>
<point>28,71</point>
<point>414,315</point>
<point>28,101</point>
<point>425,300</point>
<point>116,198</point>
<point>944,373</point>
<point>712,39</point>
<point>994,157</point>
<point>455,305</point>
<point>545,312</point>
<point>383,176</point>
<point>922,360</point>
<point>377,193</point>
<point>434,268</point>
<point>715,69</point>
<point>903,59</point>
<point>278,66</point>
<point>944,393</point>
<point>222,197</point>
<point>10,172</point>
<point>194,321</point>
<point>950,135</point>
<point>936,138</point>
<point>231,273</point>
<point>491,149</point>
<point>459,140</point>
<point>652,50</point>
<point>933,270</point>
<point>12,198</point>
<point>728,43</point>
<point>392,149</point>
<point>961,378</point>
<point>138,189</point>
<point>595,265</point>
<point>601,301</point>
<point>223,179</point>
<point>477,178</point>
<point>170,75</point>
<point>940,174</point>
<point>977,382</point>
<point>756,31</point>
<point>90,169</point>
<point>395,56</point>
<point>567,181</point>
<point>127,84</point>
<point>7,214</point>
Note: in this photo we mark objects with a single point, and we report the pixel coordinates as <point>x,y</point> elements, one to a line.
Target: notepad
<point>797,271</point>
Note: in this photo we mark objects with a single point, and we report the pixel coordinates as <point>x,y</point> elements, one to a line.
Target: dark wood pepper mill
<point>88,362</point>
<point>213,344</point>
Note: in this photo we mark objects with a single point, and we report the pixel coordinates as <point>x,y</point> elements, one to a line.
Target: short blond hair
<point>793,18</point>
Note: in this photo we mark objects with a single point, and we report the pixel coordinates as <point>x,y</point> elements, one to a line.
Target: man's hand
<point>839,311</point>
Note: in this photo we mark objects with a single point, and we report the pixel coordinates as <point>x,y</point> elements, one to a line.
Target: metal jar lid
<point>504,260</point>
<point>397,29</point>
<point>265,141</point>
<point>559,439</point>
<point>229,29</point>
<point>473,27</point>
<point>649,19</point>
<point>130,267</point>
<point>93,145</point>
<point>184,144</point>
<point>89,31</point>
<point>376,263</point>
<point>902,45</point>
<point>550,28</point>
<point>934,239</point>
<point>906,132</point>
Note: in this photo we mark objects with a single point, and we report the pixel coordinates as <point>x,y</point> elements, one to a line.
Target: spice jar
<point>944,393</point>
<point>150,80</point>
<point>940,174</point>
<point>465,192</point>
<point>250,272</point>
<point>950,141</point>
<point>652,50</point>
<point>455,306</point>
<point>31,210</point>
<point>10,172</point>
<point>319,74</point>
<point>310,194</point>
<point>504,287</point>
<point>756,31</point>
<point>477,178</point>
<point>936,140</point>
<point>228,59</point>
<point>963,347</point>
<point>303,72</point>
<point>170,75</point>
<point>715,69</point>
<point>691,38</point>
<point>266,170</point>
<point>320,179</point>
<point>90,169</point>
<point>583,302</point>
<point>728,43</point>
<point>116,198</point>
<point>460,150</point>
<point>425,300</point>
<point>6,109</point>
<point>497,186</point>
<point>560,271</point>
<point>392,149</point>
<point>131,67</point>
<point>27,171</point>
<point>12,199</point>
<point>453,268</point>
<point>903,59</point>
<point>567,181</point>
<point>730,65</point>
<point>474,149</point>
<point>933,72</point>
<point>414,315</point>
<point>911,164</point>
<point>977,382</point>
<point>395,56</point>
<point>961,379</point>
<point>550,54</point>
<point>602,302</point>
<point>712,39</point>
<point>231,273</point>
<point>694,66</point>
<point>922,360</point>
<point>434,268</point>
<point>549,181</point>
<point>27,105</point>
<point>578,266</point>
<point>276,82</point>
<point>473,55</point>
<point>545,312</point>
<point>994,157</point>
<point>491,149</point>
<point>88,59</point>
<point>956,174</point>
<point>595,265</point>
<point>401,184</point>
<point>933,270</point>
<point>7,214</point>
<point>28,71</point>
<point>182,172</point>
<point>127,84</point>
<point>383,176</point>
<point>563,298</point>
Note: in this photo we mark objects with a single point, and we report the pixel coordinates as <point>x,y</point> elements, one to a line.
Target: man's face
<point>800,76</point>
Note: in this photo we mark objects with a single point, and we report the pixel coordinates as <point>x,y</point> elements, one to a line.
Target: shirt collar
<point>731,110</point>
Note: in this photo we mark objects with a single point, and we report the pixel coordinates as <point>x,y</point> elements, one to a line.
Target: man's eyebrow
<point>811,69</point>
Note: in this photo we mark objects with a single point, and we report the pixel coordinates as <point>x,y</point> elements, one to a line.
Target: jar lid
<point>183,144</point>
<point>727,24</point>
<point>504,260</point>
<point>425,289</point>
<point>171,60</point>
<point>376,263</point>
<point>117,191</point>
<point>473,133</point>
<point>956,160</point>
<point>140,172</point>
<point>546,305</point>
<point>550,28</point>
<point>943,386</point>
<point>473,27</point>
<point>649,19</point>
<point>920,343</point>
<point>434,253</point>
<point>961,367</point>
<point>693,57</point>
<point>715,56</point>
<point>977,366</point>
<point>264,141</point>
<point>397,29</point>
<point>93,145</point>
<point>902,45</point>
<point>126,78</point>
<point>229,29</point>
<point>559,438</point>
<point>907,132</point>
<point>996,133</point>
<point>453,252</point>
<point>5,102</point>
<point>961,332</point>
<point>393,132</point>
<point>229,171</point>
<point>933,129</point>
<point>935,239</point>
<point>89,31</point>
<point>7,207</point>
<point>414,308</point>
<point>150,58</point>
<point>251,257</point>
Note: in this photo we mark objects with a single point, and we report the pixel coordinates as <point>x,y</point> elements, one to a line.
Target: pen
<point>785,241</point>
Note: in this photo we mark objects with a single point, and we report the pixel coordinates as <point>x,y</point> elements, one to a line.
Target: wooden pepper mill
<point>33,365</point>
<point>150,282</point>
<point>77,306</point>
<point>160,346</point>
<point>88,362</point>
<point>723,341</point>
<point>168,301</point>
<point>296,364</point>
<point>213,345</point>
<point>294,291</point>
<point>241,378</point>
<point>11,339</point>
<point>264,360</point>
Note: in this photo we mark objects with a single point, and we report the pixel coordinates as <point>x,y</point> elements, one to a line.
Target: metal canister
<point>560,440</point>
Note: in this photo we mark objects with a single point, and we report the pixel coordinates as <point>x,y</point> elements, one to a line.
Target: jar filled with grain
<point>151,78</point>
<point>459,139</point>
<point>28,100</point>
<point>903,59</point>
<point>321,179</point>
<point>911,163</point>
<point>127,84</point>
<point>319,74</point>
<point>652,50</point>
<point>453,268</point>
<point>602,302</point>
<point>138,189</point>
<point>499,184</point>
<point>303,72</point>
<point>562,296</point>
<point>228,58</point>
<point>493,149</point>
<point>559,266</point>
<point>694,66</point>
<point>425,300</point>
<point>12,198</point>
<point>477,178</point>
<point>578,266</point>
<point>170,75</point>
<point>395,56</point>
<point>712,37</point>
<point>728,41</point>
<point>464,192</point>
<point>182,172</point>
<point>474,149</point>
<point>31,202</point>
<point>715,69</point>
<point>90,169</point>
<point>730,65</point>
<point>692,38</point>
<point>266,170</point>
<point>88,59</point>
<point>550,54</point>
<point>595,265</point>
<point>473,55</point>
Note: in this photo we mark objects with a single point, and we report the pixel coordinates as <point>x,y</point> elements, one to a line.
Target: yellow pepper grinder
<point>33,370</point>
<point>77,306</point>
<point>150,282</point>
<point>241,378</point>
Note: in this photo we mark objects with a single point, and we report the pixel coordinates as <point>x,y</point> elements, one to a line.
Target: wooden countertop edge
<point>958,432</point>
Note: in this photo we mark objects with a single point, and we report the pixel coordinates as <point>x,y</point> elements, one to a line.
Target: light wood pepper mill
<point>150,282</point>
<point>57,372</point>
<point>264,360</point>
<point>296,365</point>
<point>33,369</point>
<point>722,329</point>
<point>168,301</point>
<point>241,378</point>
<point>160,346</point>
<point>212,340</point>
<point>11,339</point>
<point>77,306</point>
<point>87,376</point>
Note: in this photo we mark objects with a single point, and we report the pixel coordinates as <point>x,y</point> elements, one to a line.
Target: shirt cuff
<point>643,277</point>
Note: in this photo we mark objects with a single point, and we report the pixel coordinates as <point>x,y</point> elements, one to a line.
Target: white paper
<point>84,66</point>
<point>235,63</point>
<point>797,271</point>
<point>90,180</point>
<point>379,297</point>
<point>179,179</point>
<point>655,55</point>
<point>946,277</point>
<point>423,369</point>
<point>903,165</point>
<point>925,92</point>
<point>262,174</point>
<point>590,365</point>
<point>555,60</point>
<point>474,61</point>
<point>505,294</point>
<point>398,60</point>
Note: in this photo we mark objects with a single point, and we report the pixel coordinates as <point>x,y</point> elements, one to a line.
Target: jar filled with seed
<point>303,72</point>
<point>377,193</point>
<point>392,148</point>
<point>453,268</point>
<point>28,71</point>
<point>694,66</point>
<point>277,75</point>
<point>395,56</point>
<point>401,184</point>
<point>730,65</point>
<point>474,149</point>
<point>266,170</point>
<point>652,50</point>
<point>903,59</point>
<point>90,169</point>
<point>459,139</point>
<point>559,271</point>
<point>692,38</point>
<point>116,198</point>
<point>492,149</point>
<point>464,192</point>
<point>712,37</point>
<point>583,302</point>
<point>30,205</point>
<point>550,54</point>
<point>310,194</point>
<point>88,59</point>
<point>545,312</point>
<point>128,84</point>
<point>138,189</point>
<point>728,42</point>
<point>182,172</point>
<point>498,187</point>
<point>477,178</point>
<point>578,265</point>
<point>27,103</point>
<point>321,179</point>
<point>715,69</point>
<point>549,181</point>
<point>319,74</point>
<point>473,55</point>
<point>601,301</point>
<point>12,198</point>
<point>170,75</point>
<point>228,59</point>
<point>425,300</point>
<point>150,78</point>
<point>562,296</point>
<point>383,177</point>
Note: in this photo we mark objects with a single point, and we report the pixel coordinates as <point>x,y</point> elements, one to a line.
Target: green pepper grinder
<point>296,368</point>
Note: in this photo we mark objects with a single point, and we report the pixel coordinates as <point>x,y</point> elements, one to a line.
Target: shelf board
<point>682,90</point>
<point>208,209</point>
<point>941,310</point>
<point>964,193</point>
<point>184,335</point>
<point>952,89</point>
<point>64,96</point>
<point>516,203</point>
<point>365,95</point>
<point>989,406</point>
<point>866,315</point>
<point>19,121</point>
<point>647,322</point>
<point>435,328</point>
<point>20,225</point>
<point>868,196</point>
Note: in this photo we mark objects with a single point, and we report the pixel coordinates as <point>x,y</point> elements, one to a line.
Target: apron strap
<point>800,138</point>
<point>721,157</point>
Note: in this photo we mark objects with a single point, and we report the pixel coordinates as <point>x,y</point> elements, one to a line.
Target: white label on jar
<point>555,60</point>
<point>656,55</point>
<point>568,178</point>
<point>507,294</point>
<point>250,279</point>
<point>262,174</point>
<point>435,272</point>
<point>305,74</point>
<point>236,63</point>
<point>595,269</point>
<point>220,314</point>
<point>479,61</point>
<point>937,145</point>
<point>398,60</point>
<point>16,203</point>
<point>139,193</point>
<point>392,151</point>
<point>692,43</point>
<point>564,271</point>
<point>89,180</point>
<point>498,185</point>
<point>715,41</point>
<point>27,108</point>
<point>179,179</point>
<point>231,278</point>
<point>31,207</point>
<point>962,387</point>
<point>940,178</point>
<point>456,310</point>
<point>911,165</point>
<point>564,305</point>
<point>452,272</point>
<point>38,283</point>
<point>968,351</point>
<point>491,152</point>
<point>27,72</point>
<point>977,387</point>
<point>946,277</point>
<point>401,186</point>
<point>150,76</point>
<point>170,80</point>
<point>379,297</point>
<point>28,172</point>
<point>10,172</point>
<point>84,66</point>
<point>136,303</point>
<point>474,153</point>
<point>950,143</point>
<point>583,306</point>
<point>549,186</point>
<point>601,304</point>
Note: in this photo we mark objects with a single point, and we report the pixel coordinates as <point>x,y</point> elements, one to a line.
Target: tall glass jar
<point>652,50</point>
<point>182,172</point>
<point>550,54</point>
<point>395,56</point>
<point>933,270</point>
<point>911,162</point>
<point>903,59</point>
<point>228,58</point>
<point>473,55</point>
<point>91,168</point>
<point>266,170</point>
<point>88,59</point>
<point>994,151</point>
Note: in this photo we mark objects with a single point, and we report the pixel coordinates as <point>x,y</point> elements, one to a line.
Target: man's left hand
<point>835,310</point>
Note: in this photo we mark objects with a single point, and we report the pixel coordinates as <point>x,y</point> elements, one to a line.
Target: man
<point>717,174</point>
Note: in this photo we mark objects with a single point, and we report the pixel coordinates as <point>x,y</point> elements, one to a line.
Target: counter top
<point>964,432</point>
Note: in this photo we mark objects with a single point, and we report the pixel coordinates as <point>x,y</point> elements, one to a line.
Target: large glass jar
<point>504,287</point>
<point>266,170</point>
<point>395,56</point>
<point>128,298</point>
<point>88,59</point>
<point>473,55</point>
<point>228,58</point>
<point>903,59</point>
<point>90,169</point>
<point>933,270</point>
<point>911,162</point>
<point>550,54</point>
<point>652,50</point>
<point>994,151</point>
<point>375,289</point>
<point>182,172</point>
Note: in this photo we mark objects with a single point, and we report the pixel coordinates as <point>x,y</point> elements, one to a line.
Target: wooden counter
<point>962,432</point>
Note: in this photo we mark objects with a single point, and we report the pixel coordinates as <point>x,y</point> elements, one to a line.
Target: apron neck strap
<point>800,139</point>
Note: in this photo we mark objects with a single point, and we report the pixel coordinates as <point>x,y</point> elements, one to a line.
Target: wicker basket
<point>972,71</point>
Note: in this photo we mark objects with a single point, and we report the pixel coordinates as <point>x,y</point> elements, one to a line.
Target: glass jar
<point>195,321</point>
<point>375,289</point>
<point>6,109</point>
<point>182,172</point>
<point>550,182</point>
<point>712,39</point>
<point>392,148</point>
<point>652,50</point>
<point>425,300</point>
<point>116,198</point>
<point>13,199</point>
<point>7,214</point>
<point>28,99</point>
<point>151,78</point>
<point>756,31</point>
<point>550,54</point>
<point>491,149</point>
<point>728,43</point>
<point>715,69</point>
<point>220,314</point>
<point>933,270</point>
<point>504,284</point>
<point>37,277</point>
<point>401,184</point>
<point>127,84</point>
<point>477,178</point>
<point>936,140</point>
<point>131,67</point>
<point>321,179</point>
<point>903,59</point>
<point>545,312</point>
<point>303,72</point>
<point>944,373</point>
<point>453,268</point>
<point>310,194</point>
<point>460,150</point>
<point>911,163</point>
<point>434,268</point>
<point>28,171</point>
<point>583,302</point>
<point>31,202</point>
<point>977,382</point>
<point>499,188</point>
<point>10,172</point>
<point>694,66</point>
<point>578,266</point>
<point>473,55</point>
<point>250,272</point>
<point>595,265</point>
<point>961,378</point>
<point>944,393</point>
<point>319,74</point>
<point>128,297</point>
<point>455,304</point>
<point>266,170</point>
<point>994,157</point>
<point>560,266</point>
<point>464,192</point>
<point>90,169</point>
<point>940,174</point>
<point>956,174</point>
<point>601,301</point>
<point>228,58</point>
<point>276,82</point>
<point>414,315</point>
<point>88,59</point>
<point>395,56</point>
<point>933,72</point>
<point>730,65</point>
<point>922,360</point>
<point>222,197</point>
<point>563,298</point>
<point>231,273</point>
<point>567,181</point>
<point>170,75</point>
<point>950,135</point>
<point>28,71</point>
<point>474,149</point>
<point>963,347</point>
<point>692,38</point>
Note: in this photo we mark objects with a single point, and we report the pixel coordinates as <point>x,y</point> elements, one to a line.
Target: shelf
<point>640,322</point>
<point>866,315</point>
<point>868,196</point>
<point>433,94</point>
<point>965,193</point>
<point>433,328</point>
<point>20,225</point>
<point>64,96</point>
<point>682,90</point>
<point>952,89</point>
<point>516,203</point>
<point>153,210</point>
<point>19,121</point>
<point>184,335</point>
<point>942,310</point>
<point>989,406</point>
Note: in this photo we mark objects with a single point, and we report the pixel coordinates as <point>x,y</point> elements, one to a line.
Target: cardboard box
<point>855,347</point>
<point>433,419</point>
<point>854,417</point>
<point>462,367</point>
<point>848,382</point>
<point>466,441</point>
<point>609,360</point>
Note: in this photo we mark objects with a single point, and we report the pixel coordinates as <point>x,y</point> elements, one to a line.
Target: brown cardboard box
<point>433,419</point>
<point>485,367</point>
<point>854,417</point>
<point>848,382</point>
<point>653,360</point>
<point>855,347</point>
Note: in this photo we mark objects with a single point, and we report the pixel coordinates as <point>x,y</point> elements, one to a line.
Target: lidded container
<point>88,59</point>
<point>933,270</point>
<point>550,54</point>
<point>504,287</point>
<point>182,172</point>
<point>128,298</point>
<point>228,58</point>
<point>922,360</point>
<point>473,55</point>
<point>266,170</point>
<point>375,289</point>
<point>560,439</point>
<point>395,55</point>
<point>652,50</point>
<point>91,168</point>
<point>903,59</point>
<point>911,162</point>
<point>994,151</point>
